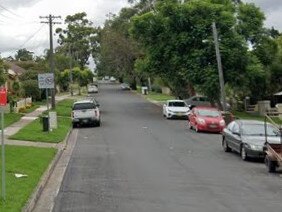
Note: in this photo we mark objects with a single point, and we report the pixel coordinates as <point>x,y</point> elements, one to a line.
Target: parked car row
<point>246,137</point>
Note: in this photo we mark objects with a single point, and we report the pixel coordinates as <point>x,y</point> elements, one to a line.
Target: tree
<point>78,37</point>
<point>2,71</point>
<point>117,51</point>
<point>24,55</point>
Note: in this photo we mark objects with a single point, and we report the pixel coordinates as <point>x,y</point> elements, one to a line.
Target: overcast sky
<point>20,24</point>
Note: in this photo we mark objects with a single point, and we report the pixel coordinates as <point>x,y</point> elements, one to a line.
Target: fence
<point>22,104</point>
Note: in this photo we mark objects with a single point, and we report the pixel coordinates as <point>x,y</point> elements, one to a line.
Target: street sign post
<point>46,81</point>
<point>3,102</point>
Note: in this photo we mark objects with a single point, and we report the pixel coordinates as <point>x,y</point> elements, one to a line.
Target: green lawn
<point>64,107</point>
<point>23,160</point>
<point>244,115</point>
<point>34,132</point>
<point>156,96</point>
<point>159,97</point>
<point>10,118</point>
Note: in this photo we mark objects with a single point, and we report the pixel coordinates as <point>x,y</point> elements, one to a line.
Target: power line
<point>30,37</point>
<point>4,8</point>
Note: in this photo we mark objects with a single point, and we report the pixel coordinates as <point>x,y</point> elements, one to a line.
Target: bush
<point>22,109</point>
<point>28,106</point>
<point>156,88</point>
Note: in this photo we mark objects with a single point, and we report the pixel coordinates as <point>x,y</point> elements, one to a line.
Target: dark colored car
<point>247,137</point>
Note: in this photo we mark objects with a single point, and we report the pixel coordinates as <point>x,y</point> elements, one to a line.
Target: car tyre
<point>243,153</point>
<point>225,146</point>
<point>98,123</point>
<point>74,125</point>
<point>271,165</point>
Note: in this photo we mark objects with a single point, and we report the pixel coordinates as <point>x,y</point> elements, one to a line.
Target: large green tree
<point>78,37</point>
<point>179,47</point>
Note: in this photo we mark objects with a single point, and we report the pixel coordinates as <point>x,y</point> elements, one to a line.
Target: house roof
<point>16,69</point>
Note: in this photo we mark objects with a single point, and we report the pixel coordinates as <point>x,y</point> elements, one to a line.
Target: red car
<point>206,119</point>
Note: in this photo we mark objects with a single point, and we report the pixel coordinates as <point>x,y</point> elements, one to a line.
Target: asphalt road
<point>138,161</point>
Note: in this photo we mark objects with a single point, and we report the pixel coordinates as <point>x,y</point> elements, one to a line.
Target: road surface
<point>138,161</point>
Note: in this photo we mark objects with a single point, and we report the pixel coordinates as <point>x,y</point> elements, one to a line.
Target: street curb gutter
<point>157,103</point>
<point>44,179</point>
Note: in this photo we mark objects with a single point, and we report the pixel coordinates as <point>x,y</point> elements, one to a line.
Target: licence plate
<point>85,121</point>
<point>213,126</point>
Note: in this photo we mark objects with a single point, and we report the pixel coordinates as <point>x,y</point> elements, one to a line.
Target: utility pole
<point>219,66</point>
<point>51,21</point>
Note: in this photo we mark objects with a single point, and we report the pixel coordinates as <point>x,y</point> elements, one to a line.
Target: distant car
<point>247,137</point>
<point>112,79</point>
<point>198,101</point>
<point>175,109</point>
<point>106,78</point>
<point>202,101</point>
<point>92,89</point>
<point>85,112</point>
<point>207,119</point>
<point>125,86</point>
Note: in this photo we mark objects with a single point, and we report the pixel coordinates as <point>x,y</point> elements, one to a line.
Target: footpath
<point>42,198</point>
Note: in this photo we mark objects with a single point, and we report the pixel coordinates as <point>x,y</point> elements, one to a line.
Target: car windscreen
<point>176,104</point>
<point>259,130</point>
<point>83,106</point>
<point>209,113</point>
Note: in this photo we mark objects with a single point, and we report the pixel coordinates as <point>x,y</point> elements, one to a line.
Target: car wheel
<point>74,125</point>
<point>98,123</point>
<point>225,146</point>
<point>243,153</point>
<point>271,165</point>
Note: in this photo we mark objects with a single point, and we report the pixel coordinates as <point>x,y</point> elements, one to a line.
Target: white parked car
<point>175,109</point>
<point>92,89</point>
<point>85,112</point>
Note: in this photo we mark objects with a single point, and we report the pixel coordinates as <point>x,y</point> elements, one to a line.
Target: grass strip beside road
<point>245,115</point>
<point>34,132</point>
<point>10,118</point>
<point>30,161</point>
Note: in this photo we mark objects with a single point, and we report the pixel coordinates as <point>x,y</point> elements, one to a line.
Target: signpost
<point>3,102</point>
<point>46,81</point>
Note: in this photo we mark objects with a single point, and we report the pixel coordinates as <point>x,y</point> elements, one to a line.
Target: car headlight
<point>222,123</point>
<point>256,147</point>
<point>201,121</point>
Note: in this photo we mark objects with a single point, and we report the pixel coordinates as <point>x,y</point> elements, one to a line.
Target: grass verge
<point>31,161</point>
<point>10,118</point>
<point>159,97</point>
<point>244,115</point>
<point>34,132</point>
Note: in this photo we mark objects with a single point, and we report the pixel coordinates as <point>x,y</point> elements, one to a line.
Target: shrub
<point>22,110</point>
<point>156,88</point>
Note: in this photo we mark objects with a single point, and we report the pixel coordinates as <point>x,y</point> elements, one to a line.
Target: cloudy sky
<point>20,24</point>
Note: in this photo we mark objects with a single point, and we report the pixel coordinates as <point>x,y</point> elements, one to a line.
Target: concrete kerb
<point>46,176</point>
